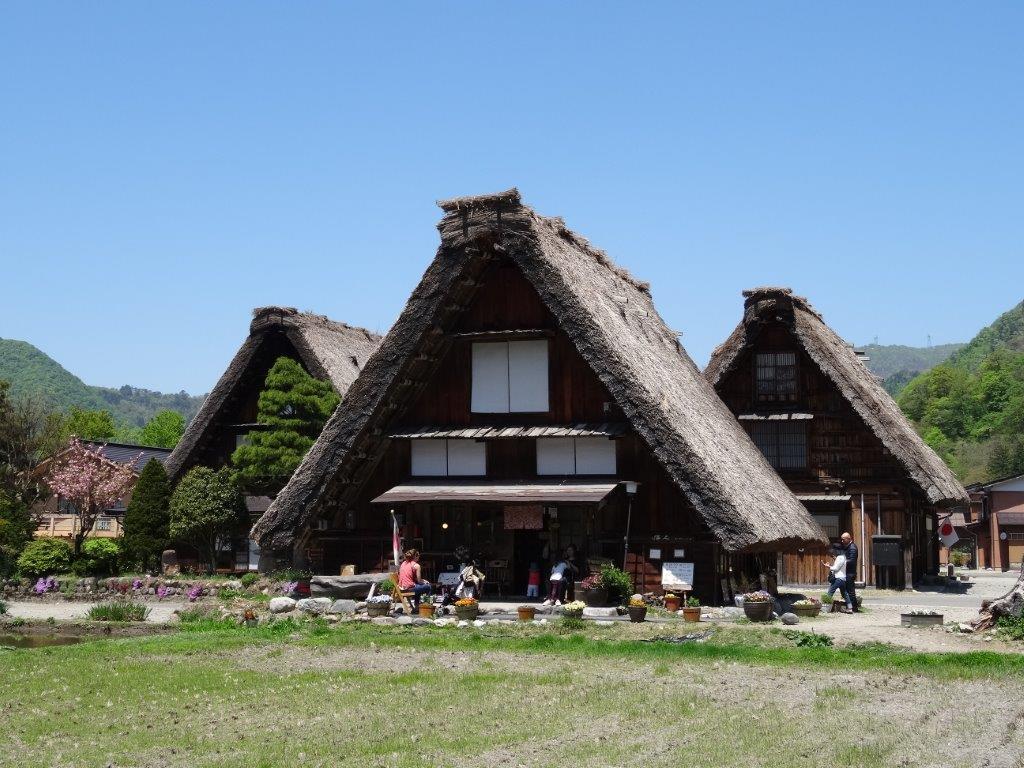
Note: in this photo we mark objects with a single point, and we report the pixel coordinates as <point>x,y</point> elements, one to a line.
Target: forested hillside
<point>32,372</point>
<point>971,407</point>
<point>898,364</point>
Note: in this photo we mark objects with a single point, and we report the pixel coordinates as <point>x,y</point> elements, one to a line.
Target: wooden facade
<point>506,306</point>
<point>839,467</point>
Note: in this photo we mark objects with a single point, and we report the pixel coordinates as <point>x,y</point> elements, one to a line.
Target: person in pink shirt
<point>410,577</point>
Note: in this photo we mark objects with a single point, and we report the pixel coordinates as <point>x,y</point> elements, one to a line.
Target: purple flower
<point>161,591</point>
<point>290,586</point>
<point>195,592</point>
<point>40,586</point>
<point>137,584</point>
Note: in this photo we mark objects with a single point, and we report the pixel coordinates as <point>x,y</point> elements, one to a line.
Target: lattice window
<point>783,443</point>
<point>776,376</point>
<point>829,523</point>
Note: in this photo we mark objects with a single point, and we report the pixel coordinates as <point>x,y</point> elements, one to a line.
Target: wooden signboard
<point>677,575</point>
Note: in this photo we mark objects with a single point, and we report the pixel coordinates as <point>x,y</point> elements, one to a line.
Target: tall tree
<point>89,425</point>
<point>28,434</point>
<point>163,430</point>
<point>293,408</point>
<point>205,506</point>
<point>90,482</point>
<point>147,519</point>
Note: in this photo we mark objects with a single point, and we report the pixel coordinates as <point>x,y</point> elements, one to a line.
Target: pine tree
<point>293,407</point>
<point>205,506</point>
<point>147,518</point>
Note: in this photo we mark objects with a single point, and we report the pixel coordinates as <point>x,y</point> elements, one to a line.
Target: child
<point>533,581</point>
<point>557,581</point>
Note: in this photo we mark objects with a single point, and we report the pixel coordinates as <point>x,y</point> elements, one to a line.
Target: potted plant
<point>637,609</point>
<point>574,610</point>
<point>672,602</point>
<point>757,606</point>
<point>526,612</point>
<point>467,608</point>
<point>427,607</point>
<point>921,619</point>
<point>378,605</point>
<point>807,608</point>
<point>691,611</point>
<point>593,590</point>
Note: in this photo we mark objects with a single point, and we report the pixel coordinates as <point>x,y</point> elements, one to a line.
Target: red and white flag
<point>947,533</point>
<point>396,541</point>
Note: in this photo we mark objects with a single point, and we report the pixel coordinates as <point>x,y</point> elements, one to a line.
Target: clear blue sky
<point>165,168</point>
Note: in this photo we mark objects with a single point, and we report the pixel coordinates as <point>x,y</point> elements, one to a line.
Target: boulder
<point>404,621</point>
<point>419,621</point>
<point>604,623</point>
<point>314,606</point>
<point>383,620</point>
<point>281,605</point>
<point>169,562</point>
<point>600,613</point>
<point>343,606</point>
<point>350,587</point>
<point>789,618</point>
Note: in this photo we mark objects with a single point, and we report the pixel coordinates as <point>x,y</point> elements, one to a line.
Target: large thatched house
<point>836,437</point>
<point>528,399</point>
<point>329,350</point>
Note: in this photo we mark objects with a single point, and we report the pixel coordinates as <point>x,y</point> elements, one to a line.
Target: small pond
<point>37,641</point>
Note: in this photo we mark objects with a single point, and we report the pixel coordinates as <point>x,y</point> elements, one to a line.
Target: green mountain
<point>971,407</point>
<point>32,372</point>
<point>897,364</point>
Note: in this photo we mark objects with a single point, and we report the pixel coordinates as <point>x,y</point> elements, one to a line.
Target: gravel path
<point>160,613</point>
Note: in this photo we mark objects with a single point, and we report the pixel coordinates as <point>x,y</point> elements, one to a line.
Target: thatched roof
<point>610,318</point>
<point>840,363</point>
<point>329,350</point>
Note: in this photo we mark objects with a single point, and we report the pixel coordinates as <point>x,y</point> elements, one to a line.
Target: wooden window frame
<point>765,432</point>
<point>775,395</point>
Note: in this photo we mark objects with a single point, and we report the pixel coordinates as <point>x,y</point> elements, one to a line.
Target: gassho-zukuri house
<point>530,398</point>
<point>837,438</point>
<point>326,349</point>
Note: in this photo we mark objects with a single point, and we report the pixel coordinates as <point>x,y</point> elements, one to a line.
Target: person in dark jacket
<point>850,550</point>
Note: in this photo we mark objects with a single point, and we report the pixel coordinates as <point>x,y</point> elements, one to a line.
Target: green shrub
<point>99,557</point>
<point>1012,627</point>
<point>809,639</point>
<point>249,579</point>
<point>3,607</point>
<point>571,623</point>
<point>291,574</point>
<point>43,557</point>
<point>618,583</point>
<point>127,611</point>
<point>386,587</point>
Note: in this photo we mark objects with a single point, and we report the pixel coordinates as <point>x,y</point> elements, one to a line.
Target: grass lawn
<point>362,695</point>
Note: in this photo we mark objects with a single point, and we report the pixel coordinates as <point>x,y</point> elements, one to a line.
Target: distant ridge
<point>32,372</point>
<point>897,364</point>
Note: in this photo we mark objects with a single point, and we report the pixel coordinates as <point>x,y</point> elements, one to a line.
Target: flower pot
<point>921,620</point>
<point>595,598</point>
<point>691,613</point>
<point>467,612</point>
<point>758,611</point>
<point>806,611</point>
<point>427,610</point>
<point>637,613</point>
<point>378,609</point>
<point>526,614</point>
<point>672,604</point>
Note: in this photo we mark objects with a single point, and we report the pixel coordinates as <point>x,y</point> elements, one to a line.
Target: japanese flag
<point>947,534</point>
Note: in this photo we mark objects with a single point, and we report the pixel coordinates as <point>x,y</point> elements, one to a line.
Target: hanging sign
<point>677,575</point>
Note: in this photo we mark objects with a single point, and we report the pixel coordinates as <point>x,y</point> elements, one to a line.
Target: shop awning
<point>554,492</point>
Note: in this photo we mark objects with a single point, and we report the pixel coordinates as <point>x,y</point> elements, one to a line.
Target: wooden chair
<point>402,595</point>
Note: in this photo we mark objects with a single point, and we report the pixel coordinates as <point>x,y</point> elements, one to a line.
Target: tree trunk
<point>1010,604</point>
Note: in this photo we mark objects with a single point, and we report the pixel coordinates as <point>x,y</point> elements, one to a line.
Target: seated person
<point>410,577</point>
<point>471,581</point>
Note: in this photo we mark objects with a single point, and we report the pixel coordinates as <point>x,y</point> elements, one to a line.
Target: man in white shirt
<point>837,579</point>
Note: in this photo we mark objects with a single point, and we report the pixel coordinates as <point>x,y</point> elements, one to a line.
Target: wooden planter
<point>467,612</point>
<point>918,620</point>
<point>526,614</point>
<point>637,614</point>
<point>427,610</point>
<point>672,603</point>
<point>595,598</point>
<point>691,613</point>
<point>806,611</point>
<point>759,611</point>
<point>378,609</point>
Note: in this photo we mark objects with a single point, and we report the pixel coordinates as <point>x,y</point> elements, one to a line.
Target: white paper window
<point>595,456</point>
<point>510,377</point>
<point>429,458</point>
<point>467,457</point>
<point>441,458</point>
<point>575,456</point>
<point>556,456</point>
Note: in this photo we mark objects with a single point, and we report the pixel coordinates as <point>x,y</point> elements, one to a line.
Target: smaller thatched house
<point>528,402</point>
<point>837,438</point>
<point>328,350</point>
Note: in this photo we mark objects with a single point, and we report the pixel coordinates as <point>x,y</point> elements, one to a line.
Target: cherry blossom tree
<point>90,482</point>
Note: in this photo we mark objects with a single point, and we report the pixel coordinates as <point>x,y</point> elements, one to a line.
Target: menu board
<point>677,575</point>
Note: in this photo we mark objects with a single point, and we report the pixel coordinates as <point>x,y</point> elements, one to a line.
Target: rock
<point>351,587</point>
<point>383,620</point>
<point>169,562</point>
<point>789,618</point>
<point>443,622</point>
<point>231,584</point>
<point>314,606</point>
<point>333,619</point>
<point>281,605</point>
<point>343,606</point>
<point>604,623</point>
<point>404,621</point>
<point>599,613</point>
<point>463,624</point>
<point>479,623</point>
<point>419,621</point>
